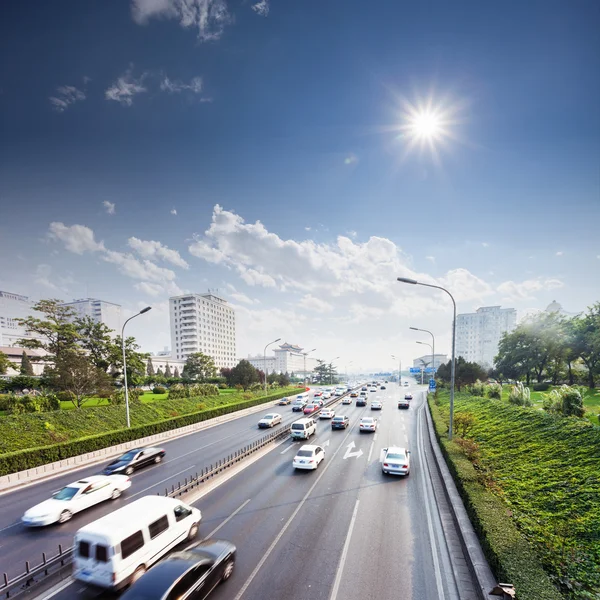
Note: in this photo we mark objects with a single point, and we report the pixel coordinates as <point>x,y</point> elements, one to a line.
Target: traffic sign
<point>415,370</point>
<point>432,384</point>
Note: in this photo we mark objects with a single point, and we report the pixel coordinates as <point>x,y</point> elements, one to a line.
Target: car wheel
<point>137,574</point>
<point>228,570</point>
<point>193,531</point>
<point>65,516</point>
<point>157,459</point>
<point>128,470</point>
<point>115,494</point>
<point>407,473</point>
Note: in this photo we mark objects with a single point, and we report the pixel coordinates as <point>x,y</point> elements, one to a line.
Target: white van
<point>304,428</point>
<point>116,550</point>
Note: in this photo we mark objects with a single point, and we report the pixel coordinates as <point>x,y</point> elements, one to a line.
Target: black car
<point>134,459</point>
<point>382,387</point>
<point>192,573</point>
<point>340,422</point>
<point>361,401</point>
<point>364,388</point>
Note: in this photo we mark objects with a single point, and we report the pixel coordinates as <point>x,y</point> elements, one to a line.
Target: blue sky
<point>115,116</point>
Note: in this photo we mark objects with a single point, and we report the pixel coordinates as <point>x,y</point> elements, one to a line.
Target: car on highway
<point>353,394</point>
<point>363,388</point>
<point>376,405</point>
<point>284,401</point>
<point>317,394</point>
<point>396,461</point>
<point>348,399</point>
<point>373,389</point>
<point>382,387</point>
<point>340,422</point>
<point>408,396</point>
<point>340,392</point>
<point>191,573</point>
<point>308,457</point>
<point>327,413</point>
<point>133,460</point>
<point>367,424</point>
<point>311,408</point>
<point>402,403</point>
<point>298,405</point>
<point>406,384</point>
<point>326,395</point>
<point>319,402</point>
<point>74,498</point>
<point>270,420</point>
<point>361,400</point>
<point>303,428</point>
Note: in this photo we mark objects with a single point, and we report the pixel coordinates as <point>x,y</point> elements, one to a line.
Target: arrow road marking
<point>350,454</point>
<point>325,444</point>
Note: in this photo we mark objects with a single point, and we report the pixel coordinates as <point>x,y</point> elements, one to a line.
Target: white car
<point>348,399</point>
<point>308,457</point>
<point>327,413</point>
<point>74,498</point>
<point>396,461</point>
<point>368,424</point>
<point>376,405</point>
<point>270,420</point>
<point>373,389</point>
<point>326,395</point>
<point>339,392</point>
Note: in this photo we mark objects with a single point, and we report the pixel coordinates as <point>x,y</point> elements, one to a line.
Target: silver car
<point>396,461</point>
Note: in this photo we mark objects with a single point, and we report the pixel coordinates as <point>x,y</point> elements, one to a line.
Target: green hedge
<point>531,495</point>
<point>12,462</point>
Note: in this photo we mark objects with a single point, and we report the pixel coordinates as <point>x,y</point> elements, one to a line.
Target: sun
<point>426,125</point>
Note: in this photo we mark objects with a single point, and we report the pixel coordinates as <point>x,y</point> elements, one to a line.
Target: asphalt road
<point>342,532</point>
<point>186,455</point>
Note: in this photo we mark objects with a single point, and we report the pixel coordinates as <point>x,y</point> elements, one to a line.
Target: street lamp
<point>305,354</point>
<point>433,348</point>
<point>399,369</point>
<point>453,363</point>
<point>144,310</point>
<point>423,370</point>
<point>265,357</point>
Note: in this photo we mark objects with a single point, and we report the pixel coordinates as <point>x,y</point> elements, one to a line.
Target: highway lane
<point>344,531</point>
<point>186,455</point>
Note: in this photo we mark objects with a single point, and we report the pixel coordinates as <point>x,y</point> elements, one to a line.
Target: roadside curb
<point>478,564</point>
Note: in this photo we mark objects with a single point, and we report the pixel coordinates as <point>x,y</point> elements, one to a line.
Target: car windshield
<point>127,456</point>
<point>267,417</point>
<point>304,453</point>
<point>340,419</point>
<point>66,493</point>
<point>297,426</point>
<point>395,456</point>
<point>367,421</point>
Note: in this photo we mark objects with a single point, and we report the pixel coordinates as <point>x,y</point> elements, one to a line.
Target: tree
<point>199,367</point>
<point>159,373</point>
<point>75,372</point>
<point>149,367</point>
<point>136,361</point>
<point>176,373</point>
<point>586,329</point>
<point>168,373</point>
<point>466,373</point>
<point>244,374</point>
<point>272,378</point>
<point>321,370</point>
<point>5,364</point>
<point>55,332</point>
<point>226,373</point>
<point>26,366</point>
<point>95,339</point>
<point>283,379</point>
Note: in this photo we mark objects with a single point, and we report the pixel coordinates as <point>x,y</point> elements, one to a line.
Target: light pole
<point>433,347</point>
<point>144,310</point>
<point>399,369</point>
<point>305,354</point>
<point>423,370</point>
<point>265,357</point>
<point>453,363</point>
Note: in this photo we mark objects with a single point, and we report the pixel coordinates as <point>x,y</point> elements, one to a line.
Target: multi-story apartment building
<point>99,310</point>
<point>203,323</point>
<point>478,334</point>
<point>287,358</point>
<point>13,307</point>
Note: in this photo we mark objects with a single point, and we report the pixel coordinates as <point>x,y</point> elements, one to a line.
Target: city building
<point>99,310</point>
<point>478,334</point>
<point>161,361</point>
<point>425,361</point>
<point>287,358</point>
<point>203,323</point>
<point>15,354</point>
<point>555,307</point>
<point>13,307</point>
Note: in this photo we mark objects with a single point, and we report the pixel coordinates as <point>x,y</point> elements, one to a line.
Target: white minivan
<point>117,549</point>
<point>304,428</point>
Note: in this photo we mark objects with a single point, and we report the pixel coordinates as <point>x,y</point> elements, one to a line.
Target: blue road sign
<point>415,370</point>
<point>429,370</point>
<point>432,384</point>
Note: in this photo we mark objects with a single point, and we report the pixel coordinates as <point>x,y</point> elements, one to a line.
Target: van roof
<point>305,420</point>
<point>128,518</point>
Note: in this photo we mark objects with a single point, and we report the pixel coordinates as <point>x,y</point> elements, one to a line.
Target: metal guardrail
<point>10,588</point>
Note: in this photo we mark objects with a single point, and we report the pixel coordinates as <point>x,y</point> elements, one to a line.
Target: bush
<point>159,390</point>
<point>541,387</point>
<point>66,396</point>
<point>5,401</point>
<point>520,395</point>
<point>477,388</point>
<point>494,390</point>
<point>566,401</point>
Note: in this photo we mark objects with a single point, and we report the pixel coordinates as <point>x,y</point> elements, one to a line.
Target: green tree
<point>75,372</point>
<point>136,361</point>
<point>26,366</point>
<point>244,374</point>
<point>226,374</point>
<point>55,332</point>
<point>176,373</point>
<point>321,371</point>
<point>95,339</point>
<point>168,373</point>
<point>159,373</point>
<point>149,367</point>
<point>5,364</point>
<point>466,373</point>
<point>199,367</point>
<point>272,378</point>
<point>283,379</point>
<point>586,329</point>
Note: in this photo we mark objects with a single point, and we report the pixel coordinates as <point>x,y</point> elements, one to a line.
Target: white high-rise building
<point>203,323</point>
<point>13,307</point>
<point>478,334</point>
<point>99,310</point>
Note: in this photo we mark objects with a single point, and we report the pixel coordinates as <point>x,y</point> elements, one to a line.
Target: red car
<point>310,408</point>
<point>318,394</point>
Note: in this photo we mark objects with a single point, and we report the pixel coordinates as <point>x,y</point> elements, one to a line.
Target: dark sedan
<point>192,573</point>
<point>134,459</point>
<point>340,422</point>
<point>362,401</point>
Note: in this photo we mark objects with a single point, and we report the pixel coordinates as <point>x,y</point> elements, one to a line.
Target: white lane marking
<point>9,526</point>
<point>350,454</point>
<point>287,524</point>
<point>371,451</point>
<point>186,470</point>
<point>375,437</point>
<point>235,512</point>
<point>340,570</point>
<point>288,448</point>
<point>62,586</point>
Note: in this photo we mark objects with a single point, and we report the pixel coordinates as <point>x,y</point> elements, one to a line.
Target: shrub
<point>5,401</point>
<point>494,390</point>
<point>159,390</point>
<point>520,395</point>
<point>178,391</point>
<point>477,388</point>
<point>66,396</point>
<point>544,386</point>
<point>222,386</point>
<point>565,400</point>
<point>464,423</point>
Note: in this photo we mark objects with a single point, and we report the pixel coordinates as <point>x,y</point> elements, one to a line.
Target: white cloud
<point>430,258</point>
<point>168,288</point>
<point>310,302</point>
<point>559,253</point>
<point>241,297</point>
<point>175,87</point>
<point>153,250</point>
<point>485,244</point>
<point>209,17</point>
<point>43,275</point>
<point>77,238</point>
<point>261,8</point>
<point>125,88</point>
<point>307,228</point>
<point>352,233</point>
<point>109,206</point>
<point>514,291</point>
<point>174,211</point>
<point>465,286</point>
<point>65,96</point>
<point>138,269</point>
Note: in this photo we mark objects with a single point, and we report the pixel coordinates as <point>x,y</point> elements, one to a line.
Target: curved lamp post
<point>265,357</point>
<point>423,370</point>
<point>433,346</point>
<point>305,354</point>
<point>399,369</point>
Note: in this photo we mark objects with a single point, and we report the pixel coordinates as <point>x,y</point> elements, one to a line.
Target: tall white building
<point>287,358</point>
<point>203,323</point>
<point>13,307</point>
<point>99,310</point>
<point>478,334</point>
